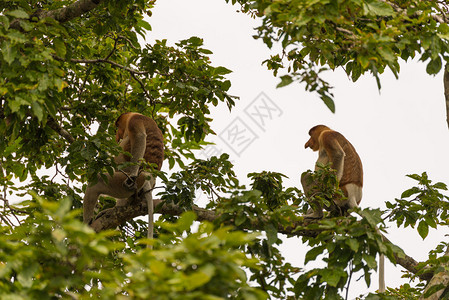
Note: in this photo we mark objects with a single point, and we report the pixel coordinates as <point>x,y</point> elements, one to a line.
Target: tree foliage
<point>358,36</point>
<point>69,68</point>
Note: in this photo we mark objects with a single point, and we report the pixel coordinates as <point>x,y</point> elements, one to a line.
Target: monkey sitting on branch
<point>337,152</point>
<point>140,136</point>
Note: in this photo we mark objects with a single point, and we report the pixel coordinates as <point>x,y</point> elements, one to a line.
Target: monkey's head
<point>120,124</point>
<point>315,133</point>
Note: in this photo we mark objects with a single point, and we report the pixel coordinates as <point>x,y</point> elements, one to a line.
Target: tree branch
<point>62,132</point>
<point>133,72</point>
<point>398,9</point>
<point>113,217</point>
<point>63,14</point>
<point>442,279</point>
<point>101,60</point>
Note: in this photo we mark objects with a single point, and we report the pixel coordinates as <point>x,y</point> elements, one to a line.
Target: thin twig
<point>349,280</point>
<point>113,49</point>
<point>101,60</point>
<point>6,220</point>
<point>56,127</point>
<point>152,102</point>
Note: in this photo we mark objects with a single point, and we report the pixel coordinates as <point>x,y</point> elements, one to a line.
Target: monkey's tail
<point>381,273</point>
<point>150,218</point>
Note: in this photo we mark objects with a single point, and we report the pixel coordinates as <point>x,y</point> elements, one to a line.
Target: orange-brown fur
<point>139,136</point>
<point>327,141</point>
<point>129,124</point>
<point>335,149</point>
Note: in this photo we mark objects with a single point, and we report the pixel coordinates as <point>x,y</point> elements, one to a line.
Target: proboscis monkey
<point>139,136</point>
<point>334,149</point>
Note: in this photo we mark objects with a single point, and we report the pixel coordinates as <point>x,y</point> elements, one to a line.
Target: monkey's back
<point>154,150</point>
<point>353,169</point>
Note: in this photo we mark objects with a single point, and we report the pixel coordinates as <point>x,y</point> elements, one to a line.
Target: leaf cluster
<point>64,83</point>
<point>403,292</point>
<point>53,255</point>
<point>424,204</point>
<point>347,245</point>
<point>213,176</point>
<point>324,189</point>
<point>266,206</point>
<point>358,36</point>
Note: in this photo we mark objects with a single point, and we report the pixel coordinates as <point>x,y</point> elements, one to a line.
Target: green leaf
<point>144,24</point>
<point>200,278</point>
<point>329,102</point>
<point>171,162</point>
<point>440,186</point>
<point>410,192</point>
<point>9,54</point>
<point>423,229</point>
<point>37,110</point>
<point>370,260</point>
<point>186,220</point>
<point>353,244</point>
<point>60,47</point>
<point>17,103</point>
<point>18,13</point>
<point>58,234</point>
<point>64,207</point>
<point>313,253</point>
<point>195,41</point>
<point>272,234</point>
<point>285,80</point>
<point>386,53</point>
<point>430,221</point>
<point>377,8</point>
<point>26,276</point>
<point>332,276</point>
<point>241,218</point>
<point>221,71</point>
<point>364,61</point>
<point>5,21</point>
<point>434,66</point>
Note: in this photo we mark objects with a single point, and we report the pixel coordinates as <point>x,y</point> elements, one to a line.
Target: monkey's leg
<point>112,188</point>
<point>90,200</point>
<point>353,193</point>
<point>138,142</point>
<point>307,185</point>
<point>123,201</point>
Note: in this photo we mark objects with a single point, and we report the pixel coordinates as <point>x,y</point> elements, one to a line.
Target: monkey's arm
<point>335,153</point>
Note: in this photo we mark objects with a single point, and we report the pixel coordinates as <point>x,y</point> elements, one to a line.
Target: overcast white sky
<point>400,131</point>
